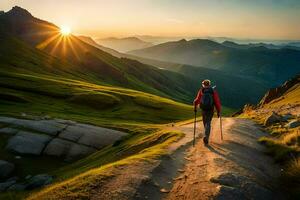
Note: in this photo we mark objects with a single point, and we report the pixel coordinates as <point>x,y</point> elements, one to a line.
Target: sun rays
<point>62,43</point>
<point>65,30</point>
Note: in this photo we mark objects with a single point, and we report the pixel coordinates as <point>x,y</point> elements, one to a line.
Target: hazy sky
<point>264,19</point>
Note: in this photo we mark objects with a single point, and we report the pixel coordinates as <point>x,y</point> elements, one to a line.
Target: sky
<point>256,19</point>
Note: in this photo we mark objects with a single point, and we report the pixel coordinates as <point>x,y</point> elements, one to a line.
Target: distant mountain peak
<point>19,12</point>
<point>228,42</point>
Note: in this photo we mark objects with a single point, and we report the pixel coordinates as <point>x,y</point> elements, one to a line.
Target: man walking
<point>208,98</point>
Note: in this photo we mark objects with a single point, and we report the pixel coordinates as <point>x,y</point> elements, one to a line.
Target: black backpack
<point>207,99</point>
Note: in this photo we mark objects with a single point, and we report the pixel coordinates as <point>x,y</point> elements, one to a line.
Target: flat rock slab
<point>51,127</point>
<point>67,149</point>
<point>8,131</point>
<point>92,136</point>
<point>28,143</point>
<point>58,147</point>
<point>78,151</point>
<point>59,137</point>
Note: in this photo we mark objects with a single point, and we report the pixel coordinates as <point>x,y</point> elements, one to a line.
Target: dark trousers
<point>206,118</point>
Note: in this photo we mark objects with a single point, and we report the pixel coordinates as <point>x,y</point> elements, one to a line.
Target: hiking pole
<point>221,127</point>
<point>194,128</point>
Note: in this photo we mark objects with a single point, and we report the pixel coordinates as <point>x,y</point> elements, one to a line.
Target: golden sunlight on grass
<point>65,30</point>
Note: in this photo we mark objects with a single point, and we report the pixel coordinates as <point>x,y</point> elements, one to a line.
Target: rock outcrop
<point>56,137</point>
<point>279,91</point>
<point>273,118</point>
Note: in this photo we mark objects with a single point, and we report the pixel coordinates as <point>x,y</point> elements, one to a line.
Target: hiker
<point>208,98</point>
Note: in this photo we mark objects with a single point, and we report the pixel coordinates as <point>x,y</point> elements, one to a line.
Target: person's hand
<point>218,114</point>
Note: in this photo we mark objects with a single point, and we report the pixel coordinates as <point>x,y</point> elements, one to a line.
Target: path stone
<point>39,181</point>
<point>227,192</point>
<point>229,179</point>
<point>9,131</point>
<point>6,168</point>
<point>234,186</point>
<point>58,147</point>
<point>27,143</point>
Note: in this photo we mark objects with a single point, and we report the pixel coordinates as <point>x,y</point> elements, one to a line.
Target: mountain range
<point>270,65</point>
<point>124,44</point>
<point>33,45</point>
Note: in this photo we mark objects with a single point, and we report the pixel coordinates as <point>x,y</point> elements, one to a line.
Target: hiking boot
<point>205,140</point>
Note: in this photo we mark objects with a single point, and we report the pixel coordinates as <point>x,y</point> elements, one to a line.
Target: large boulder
<point>28,143</point>
<point>6,168</point>
<point>293,124</point>
<point>39,181</point>
<point>273,118</point>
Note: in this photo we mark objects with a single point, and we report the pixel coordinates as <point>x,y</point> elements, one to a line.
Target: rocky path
<point>235,168</point>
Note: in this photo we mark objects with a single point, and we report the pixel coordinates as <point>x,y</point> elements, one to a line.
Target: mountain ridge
<point>273,65</point>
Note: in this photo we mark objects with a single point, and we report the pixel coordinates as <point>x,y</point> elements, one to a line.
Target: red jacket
<point>217,101</point>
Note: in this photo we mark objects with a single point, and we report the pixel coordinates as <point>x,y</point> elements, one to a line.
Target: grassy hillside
<point>48,85</point>
<point>272,65</point>
<point>284,142</point>
<point>90,61</point>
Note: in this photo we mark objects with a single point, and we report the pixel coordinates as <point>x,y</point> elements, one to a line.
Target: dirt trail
<point>235,168</point>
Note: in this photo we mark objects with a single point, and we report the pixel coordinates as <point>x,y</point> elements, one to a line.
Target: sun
<point>65,30</point>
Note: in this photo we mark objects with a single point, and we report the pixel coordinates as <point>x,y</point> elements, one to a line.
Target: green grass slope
<point>91,61</point>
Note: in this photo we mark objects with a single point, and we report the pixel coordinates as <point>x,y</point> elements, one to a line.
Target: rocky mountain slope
<point>279,113</point>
